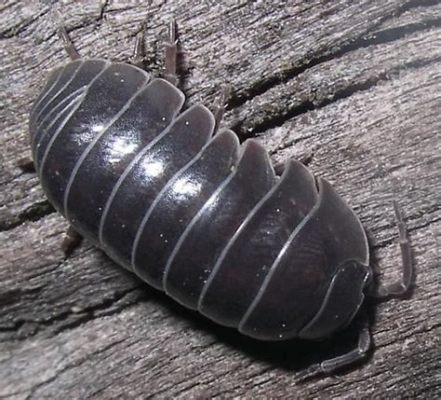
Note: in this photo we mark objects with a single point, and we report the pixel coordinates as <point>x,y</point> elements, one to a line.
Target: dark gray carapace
<point>192,212</point>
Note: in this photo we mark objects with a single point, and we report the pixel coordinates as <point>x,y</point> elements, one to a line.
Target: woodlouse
<point>195,214</point>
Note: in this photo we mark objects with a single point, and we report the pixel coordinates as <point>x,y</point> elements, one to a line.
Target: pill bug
<point>195,214</point>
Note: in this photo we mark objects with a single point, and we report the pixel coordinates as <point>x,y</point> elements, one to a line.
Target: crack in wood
<point>103,9</point>
<point>364,40</point>
<point>33,213</point>
<point>69,366</point>
<point>278,119</point>
<point>65,321</point>
<point>18,29</point>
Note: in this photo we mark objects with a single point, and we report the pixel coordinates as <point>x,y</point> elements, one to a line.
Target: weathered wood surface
<point>354,85</point>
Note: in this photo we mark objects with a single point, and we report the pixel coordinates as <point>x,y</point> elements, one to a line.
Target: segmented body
<point>195,215</point>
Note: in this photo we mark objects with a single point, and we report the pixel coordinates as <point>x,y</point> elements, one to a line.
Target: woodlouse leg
<point>68,45</point>
<point>400,287</point>
<point>171,50</point>
<point>328,367</point>
<point>26,164</point>
<point>138,57</point>
<point>72,240</point>
<point>220,106</point>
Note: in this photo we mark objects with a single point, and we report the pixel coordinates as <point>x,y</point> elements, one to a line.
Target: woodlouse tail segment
<point>353,356</point>
<point>219,109</point>
<point>346,288</point>
<point>68,44</point>
<point>401,286</point>
<point>171,50</point>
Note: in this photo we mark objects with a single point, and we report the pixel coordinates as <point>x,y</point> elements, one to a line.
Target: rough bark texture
<point>354,86</point>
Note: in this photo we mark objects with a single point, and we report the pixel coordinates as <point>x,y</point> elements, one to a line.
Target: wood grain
<point>353,86</point>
